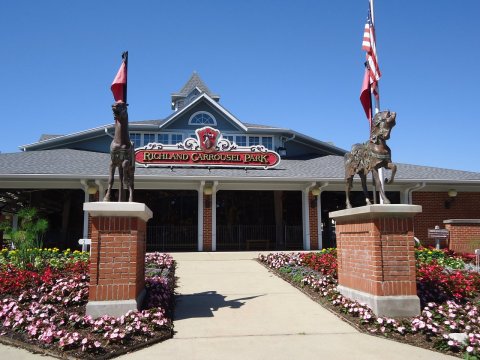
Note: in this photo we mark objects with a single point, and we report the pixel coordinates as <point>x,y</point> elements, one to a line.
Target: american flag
<point>372,60</point>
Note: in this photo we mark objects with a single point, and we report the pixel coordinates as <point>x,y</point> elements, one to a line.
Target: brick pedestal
<point>117,261</point>
<point>376,257</point>
<point>464,235</point>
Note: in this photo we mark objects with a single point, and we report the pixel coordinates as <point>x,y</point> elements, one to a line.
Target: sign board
<point>210,149</point>
<point>437,233</point>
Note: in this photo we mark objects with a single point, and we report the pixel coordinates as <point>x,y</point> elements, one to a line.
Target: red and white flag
<point>369,46</point>
<point>366,96</point>
<point>372,70</point>
<point>119,84</point>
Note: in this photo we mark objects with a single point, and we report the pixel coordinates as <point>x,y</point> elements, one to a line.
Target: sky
<point>293,64</point>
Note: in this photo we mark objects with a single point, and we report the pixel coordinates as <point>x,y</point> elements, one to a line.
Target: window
<point>176,138</point>
<point>253,140</point>
<point>241,140</point>
<point>228,137</point>
<point>202,118</point>
<point>163,138</point>
<point>148,138</point>
<point>136,138</point>
<point>267,141</point>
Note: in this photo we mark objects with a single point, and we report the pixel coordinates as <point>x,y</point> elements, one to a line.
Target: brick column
<point>117,261</point>
<point>207,222</point>
<point>464,235</point>
<point>376,257</point>
<point>313,221</point>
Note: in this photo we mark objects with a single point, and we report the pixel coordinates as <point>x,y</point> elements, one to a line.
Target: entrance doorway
<point>259,220</point>
<point>174,226</point>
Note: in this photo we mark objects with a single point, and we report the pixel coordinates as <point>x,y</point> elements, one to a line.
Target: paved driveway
<point>231,307</point>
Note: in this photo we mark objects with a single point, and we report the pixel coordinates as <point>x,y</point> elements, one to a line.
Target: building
<point>207,207</point>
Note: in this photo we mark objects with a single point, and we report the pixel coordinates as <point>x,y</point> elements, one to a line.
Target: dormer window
<point>202,118</point>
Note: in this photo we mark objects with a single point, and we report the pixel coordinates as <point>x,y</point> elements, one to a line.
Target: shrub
<point>28,235</point>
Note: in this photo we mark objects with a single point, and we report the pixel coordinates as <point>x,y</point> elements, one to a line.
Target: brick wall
<point>313,220</point>
<point>117,261</point>
<point>377,256</point>
<point>464,237</point>
<point>207,222</point>
<point>465,206</point>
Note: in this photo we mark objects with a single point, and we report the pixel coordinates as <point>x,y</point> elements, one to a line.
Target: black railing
<point>259,237</point>
<point>293,237</point>
<point>172,238</point>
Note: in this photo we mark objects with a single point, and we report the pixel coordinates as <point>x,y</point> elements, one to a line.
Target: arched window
<point>202,118</point>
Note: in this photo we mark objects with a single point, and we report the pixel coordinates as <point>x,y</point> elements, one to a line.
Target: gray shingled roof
<point>195,82</point>
<point>72,163</point>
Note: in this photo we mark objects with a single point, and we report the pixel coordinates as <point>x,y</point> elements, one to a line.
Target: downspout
<point>408,198</point>
<point>407,194</point>
<point>101,189</point>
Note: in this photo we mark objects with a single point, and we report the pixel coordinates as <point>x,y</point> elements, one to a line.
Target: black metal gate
<point>172,238</point>
<point>259,237</point>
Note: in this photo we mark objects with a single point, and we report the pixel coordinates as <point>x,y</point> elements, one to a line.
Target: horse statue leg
<point>348,187</point>
<point>130,187</point>
<point>380,188</point>
<point>108,195</point>
<point>129,174</point>
<point>363,177</point>
<point>120,189</point>
<point>393,168</point>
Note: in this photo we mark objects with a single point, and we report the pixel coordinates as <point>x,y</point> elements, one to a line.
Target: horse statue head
<point>371,156</point>
<point>120,112</point>
<point>382,125</point>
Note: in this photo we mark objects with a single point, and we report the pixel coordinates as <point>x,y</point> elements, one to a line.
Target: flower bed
<point>43,305</point>
<point>450,317</point>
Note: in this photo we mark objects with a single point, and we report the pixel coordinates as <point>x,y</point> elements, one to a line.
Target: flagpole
<point>377,104</point>
<point>125,59</point>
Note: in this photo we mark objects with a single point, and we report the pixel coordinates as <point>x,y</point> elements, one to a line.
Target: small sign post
<point>438,234</point>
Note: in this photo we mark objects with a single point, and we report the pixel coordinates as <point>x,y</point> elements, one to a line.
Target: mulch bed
<point>106,351</point>
<point>24,342</point>
<point>410,339</point>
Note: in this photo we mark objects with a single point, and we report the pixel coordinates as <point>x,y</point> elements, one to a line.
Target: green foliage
<point>29,234</point>
<point>442,257</point>
<point>42,258</point>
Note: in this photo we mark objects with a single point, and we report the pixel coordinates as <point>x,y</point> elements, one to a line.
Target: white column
<point>85,214</point>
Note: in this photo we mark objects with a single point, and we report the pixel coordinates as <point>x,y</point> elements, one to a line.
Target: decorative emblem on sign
<point>208,138</point>
<point>210,149</point>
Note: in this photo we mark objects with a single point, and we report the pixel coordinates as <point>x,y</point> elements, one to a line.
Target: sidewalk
<point>231,307</point>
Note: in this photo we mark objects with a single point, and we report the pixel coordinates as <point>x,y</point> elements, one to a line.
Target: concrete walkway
<point>231,307</point>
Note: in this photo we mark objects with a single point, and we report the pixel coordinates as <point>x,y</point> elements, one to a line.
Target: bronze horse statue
<point>122,153</point>
<point>371,156</point>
